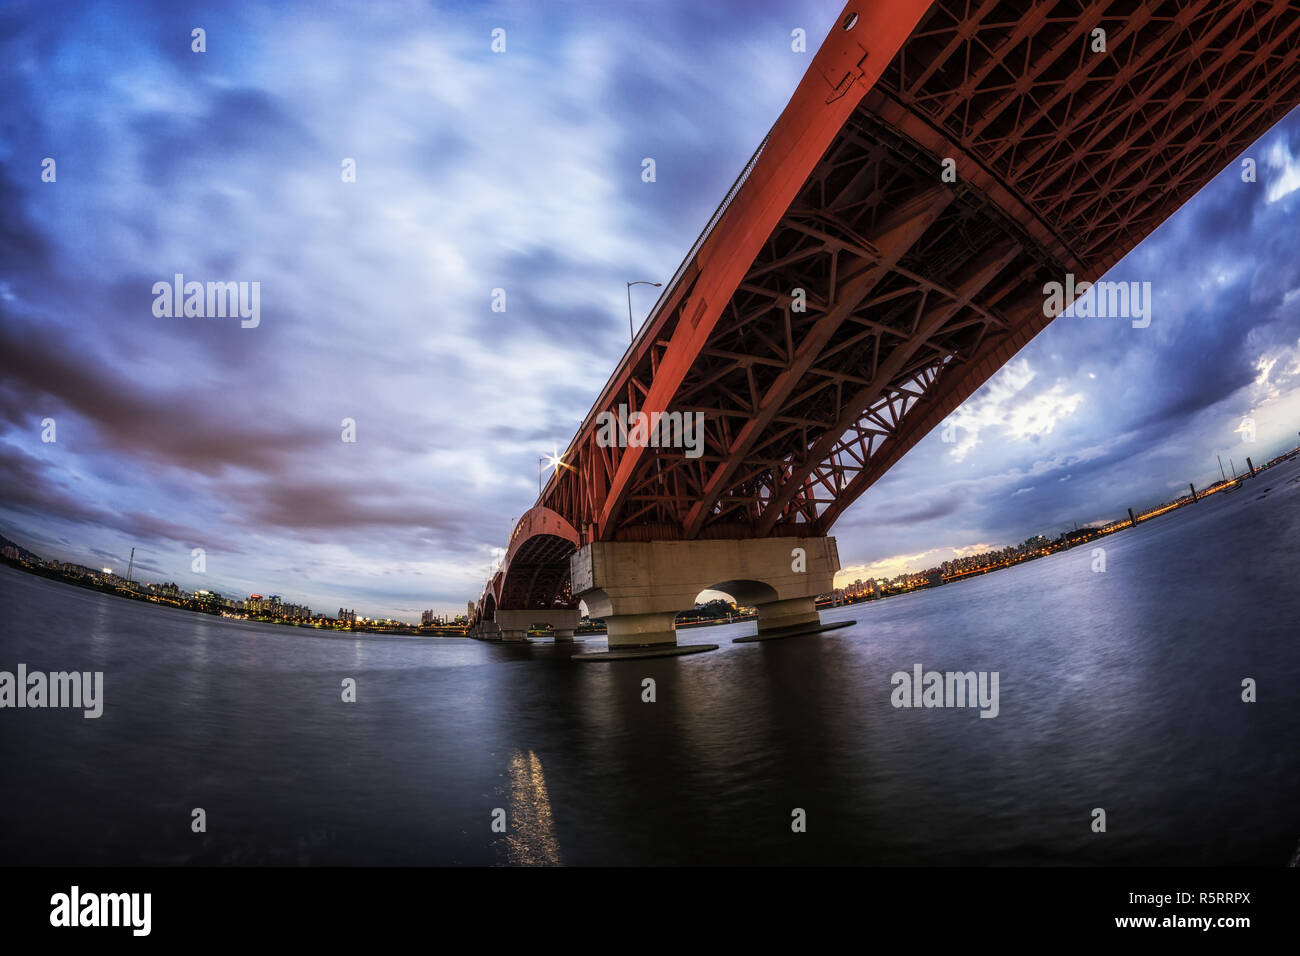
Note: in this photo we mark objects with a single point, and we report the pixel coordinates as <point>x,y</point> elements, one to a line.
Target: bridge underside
<point>884,296</point>
<point>537,576</point>
<point>532,587</point>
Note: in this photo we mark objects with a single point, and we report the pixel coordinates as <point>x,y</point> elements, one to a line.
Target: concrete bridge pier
<point>638,587</point>
<point>640,630</point>
<point>780,616</point>
<point>515,624</point>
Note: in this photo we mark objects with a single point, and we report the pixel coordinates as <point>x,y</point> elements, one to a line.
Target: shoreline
<point>131,595</point>
<point>1063,544</point>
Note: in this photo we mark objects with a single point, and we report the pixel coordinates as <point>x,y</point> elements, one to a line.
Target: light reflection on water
<point>530,837</point>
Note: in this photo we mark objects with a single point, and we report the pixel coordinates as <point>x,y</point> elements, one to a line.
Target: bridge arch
<point>535,572</point>
<point>745,593</point>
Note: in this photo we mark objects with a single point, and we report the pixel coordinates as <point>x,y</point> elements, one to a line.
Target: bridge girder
<point>915,291</point>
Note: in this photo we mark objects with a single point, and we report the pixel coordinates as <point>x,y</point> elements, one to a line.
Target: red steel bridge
<point>846,296</point>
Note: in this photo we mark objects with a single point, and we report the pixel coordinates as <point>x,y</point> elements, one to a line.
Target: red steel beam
<point>1069,164</point>
<point>845,67</point>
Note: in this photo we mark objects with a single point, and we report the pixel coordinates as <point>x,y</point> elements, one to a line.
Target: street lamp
<point>630,333</point>
<point>554,460</point>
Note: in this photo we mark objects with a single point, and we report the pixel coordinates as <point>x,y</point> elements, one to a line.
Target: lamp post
<point>631,334</point>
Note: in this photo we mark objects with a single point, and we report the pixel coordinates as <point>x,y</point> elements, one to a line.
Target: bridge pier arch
<point>638,587</point>
<point>515,623</point>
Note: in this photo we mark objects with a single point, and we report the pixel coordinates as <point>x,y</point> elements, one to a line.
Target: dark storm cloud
<point>36,487</point>
<point>234,122</point>
<point>1198,371</point>
<point>138,525</point>
<point>190,429</point>
<point>660,104</point>
<point>301,504</point>
<point>33,485</point>
<point>23,250</point>
<point>929,511</point>
<point>512,436</point>
<point>143,564</point>
<point>531,280</point>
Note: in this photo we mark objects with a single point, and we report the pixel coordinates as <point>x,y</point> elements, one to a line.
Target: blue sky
<point>476,171</point>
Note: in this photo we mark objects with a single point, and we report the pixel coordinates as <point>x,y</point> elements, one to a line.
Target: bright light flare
<point>555,461</point>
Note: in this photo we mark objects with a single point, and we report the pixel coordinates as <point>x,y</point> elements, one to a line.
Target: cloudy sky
<point>477,171</point>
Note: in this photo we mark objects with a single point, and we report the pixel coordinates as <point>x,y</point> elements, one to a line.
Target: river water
<point>1118,690</point>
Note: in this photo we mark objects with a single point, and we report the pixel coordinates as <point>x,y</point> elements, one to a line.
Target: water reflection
<point>530,837</point>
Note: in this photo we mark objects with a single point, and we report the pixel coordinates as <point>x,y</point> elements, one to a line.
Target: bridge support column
<point>515,624</point>
<point>778,616</point>
<point>639,586</point>
<point>641,630</point>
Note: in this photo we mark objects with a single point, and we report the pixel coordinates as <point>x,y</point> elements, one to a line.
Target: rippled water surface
<point>1119,690</point>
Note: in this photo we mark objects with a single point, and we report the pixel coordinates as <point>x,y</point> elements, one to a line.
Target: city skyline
<point>518,171</point>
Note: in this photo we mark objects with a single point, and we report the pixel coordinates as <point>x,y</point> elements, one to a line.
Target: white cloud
<point>1001,404</point>
<point>1284,171</point>
<point>890,567</point>
<point>1277,374</point>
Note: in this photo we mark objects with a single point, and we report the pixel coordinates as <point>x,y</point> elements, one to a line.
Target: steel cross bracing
<point>915,290</point>
<point>1067,158</point>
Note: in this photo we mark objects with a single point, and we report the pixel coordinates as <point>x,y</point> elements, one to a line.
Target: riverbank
<point>131,593</point>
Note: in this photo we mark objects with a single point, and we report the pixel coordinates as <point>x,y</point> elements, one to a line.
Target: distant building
<point>347,616</point>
